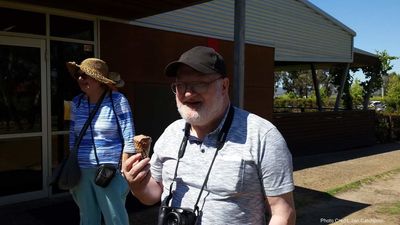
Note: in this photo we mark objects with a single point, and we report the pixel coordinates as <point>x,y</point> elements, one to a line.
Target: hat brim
<point>99,77</point>
<point>172,68</point>
<point>119,84</point>
<point>116,77</point>
<point>73,68</point>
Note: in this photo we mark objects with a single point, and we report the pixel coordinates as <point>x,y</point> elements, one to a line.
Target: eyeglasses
<point>199,87</point>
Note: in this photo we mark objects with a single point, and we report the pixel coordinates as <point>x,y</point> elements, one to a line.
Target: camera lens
<point>173,218</point>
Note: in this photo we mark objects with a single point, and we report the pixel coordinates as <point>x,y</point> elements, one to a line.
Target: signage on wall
<point>88,48</point>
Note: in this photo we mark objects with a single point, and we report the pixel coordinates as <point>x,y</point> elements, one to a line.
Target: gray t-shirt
<point>253,163</point>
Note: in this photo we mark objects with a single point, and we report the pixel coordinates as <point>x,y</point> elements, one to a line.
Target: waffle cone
<point>142,145</point>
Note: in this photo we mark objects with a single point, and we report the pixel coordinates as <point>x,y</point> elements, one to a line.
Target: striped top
<point>104,129</point>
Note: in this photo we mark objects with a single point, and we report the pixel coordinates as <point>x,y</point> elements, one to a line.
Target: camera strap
<point>220,143</point>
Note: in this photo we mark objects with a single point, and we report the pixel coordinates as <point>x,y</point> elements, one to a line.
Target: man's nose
<point>189,90</point>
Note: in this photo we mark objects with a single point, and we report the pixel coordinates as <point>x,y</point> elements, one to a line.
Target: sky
<point>376,22</point>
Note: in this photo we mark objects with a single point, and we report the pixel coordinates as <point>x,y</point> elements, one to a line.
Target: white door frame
<point>44,134</point>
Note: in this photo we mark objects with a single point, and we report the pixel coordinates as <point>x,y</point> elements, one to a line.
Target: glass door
<point>23,123</point>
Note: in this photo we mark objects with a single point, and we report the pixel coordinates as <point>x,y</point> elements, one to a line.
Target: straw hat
<point>116,77</point>
<point>96,69</point>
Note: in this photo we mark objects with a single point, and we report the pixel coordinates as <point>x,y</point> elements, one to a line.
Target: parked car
<point>377,105</point>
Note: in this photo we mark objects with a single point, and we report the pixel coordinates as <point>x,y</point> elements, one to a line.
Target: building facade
<point>38,37</point>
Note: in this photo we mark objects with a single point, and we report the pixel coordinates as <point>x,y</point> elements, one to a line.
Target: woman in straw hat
<point>102,142</point>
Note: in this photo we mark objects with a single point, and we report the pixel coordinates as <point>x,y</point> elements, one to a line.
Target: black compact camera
<point>104,174</point>
<point>176,216</point>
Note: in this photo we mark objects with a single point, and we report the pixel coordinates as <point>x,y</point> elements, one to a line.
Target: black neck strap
<point>220,143</point>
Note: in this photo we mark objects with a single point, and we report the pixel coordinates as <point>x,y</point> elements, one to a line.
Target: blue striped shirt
<point>104,129</point>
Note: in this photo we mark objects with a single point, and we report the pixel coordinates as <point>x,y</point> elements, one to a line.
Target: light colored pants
<point>94,200</point>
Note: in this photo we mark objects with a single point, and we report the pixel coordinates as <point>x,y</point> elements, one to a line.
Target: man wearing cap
<point>227,165</point>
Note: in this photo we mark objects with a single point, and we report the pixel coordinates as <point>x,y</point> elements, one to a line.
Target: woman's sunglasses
<point>79,75</point>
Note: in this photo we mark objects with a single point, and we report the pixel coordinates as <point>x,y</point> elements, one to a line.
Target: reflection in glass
<point>20,165</point>
<point>63,86</point>
<point>20,97</point>
<point>60,148</point>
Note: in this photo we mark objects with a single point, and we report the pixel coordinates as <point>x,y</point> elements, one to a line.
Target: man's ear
<point>225,85</point>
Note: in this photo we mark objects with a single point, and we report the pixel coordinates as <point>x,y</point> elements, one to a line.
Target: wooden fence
<point>322,132</point>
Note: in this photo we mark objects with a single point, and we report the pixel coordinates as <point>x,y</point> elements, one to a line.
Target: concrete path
<point>368,205</point>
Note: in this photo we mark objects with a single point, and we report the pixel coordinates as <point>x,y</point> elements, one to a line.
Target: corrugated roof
<point>298,30</point>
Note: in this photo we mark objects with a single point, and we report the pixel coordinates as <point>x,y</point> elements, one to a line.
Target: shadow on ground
<point>315,207</point>
<point>303,162</point>
<point>63,211</point>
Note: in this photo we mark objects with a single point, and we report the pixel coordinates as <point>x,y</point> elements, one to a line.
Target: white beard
<point>204,114</point>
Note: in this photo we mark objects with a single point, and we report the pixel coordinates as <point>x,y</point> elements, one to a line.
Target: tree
<point>296,82</point>
<point>393,92</point>
<point>356,92</point>
<point>374,75</point>
<point>337,74</point>
<point>300,82</point>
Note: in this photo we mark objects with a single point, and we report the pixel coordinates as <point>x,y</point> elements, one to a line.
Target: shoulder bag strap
<point>119,131</point>
<point>87,123</point>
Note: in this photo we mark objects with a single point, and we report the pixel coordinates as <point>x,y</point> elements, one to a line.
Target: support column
<point>340,92</point>
<point>316,87</point>
<point>239,39</point>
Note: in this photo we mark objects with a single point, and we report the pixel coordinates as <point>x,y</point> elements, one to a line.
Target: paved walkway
<point>313,174</point>
<point>327,171</point>
<point>361,206</point>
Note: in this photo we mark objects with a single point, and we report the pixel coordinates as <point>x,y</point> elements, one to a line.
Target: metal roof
<point>296,29</point>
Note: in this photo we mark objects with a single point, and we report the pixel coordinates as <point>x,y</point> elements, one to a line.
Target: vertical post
<point>239,39</point>
<point>340,92</point>
<point>316,87</point>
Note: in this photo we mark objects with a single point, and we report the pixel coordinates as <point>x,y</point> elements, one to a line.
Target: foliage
<point>392,98</point>
<point>365,181</point>
<point>300,82</point>
<point>386,59</point>
<point>392,208</point>
<point>356,92</point>
<point>337,74</point>
<point>325,82</point>
<point>374,75</point>
<point>297,82</point>
<point>387,127</point>
<point>290,103</point>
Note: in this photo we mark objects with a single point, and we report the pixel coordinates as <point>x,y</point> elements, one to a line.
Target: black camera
<point>176,216</point>
<point>104,174</point>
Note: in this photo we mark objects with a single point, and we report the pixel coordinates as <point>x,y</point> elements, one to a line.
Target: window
<point>12,20</point>
<point>71,28</point>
